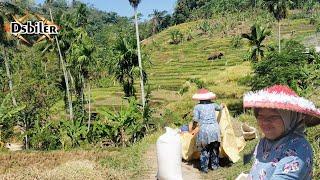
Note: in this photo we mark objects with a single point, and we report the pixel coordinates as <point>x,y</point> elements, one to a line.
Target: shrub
<point>44,136</point>
<point>236,41</point>
<point>205,27</point>
<point>8,115</point>
<point>200,84</point>
<point>290,67</point>
<point>313,20</point>
<point>124,126</point>
<point>75,130</point>
<point>318,28</point>
<point>171,118</point>
<point>185,87</point>
<point>176,37</point>
<point>189,34</point>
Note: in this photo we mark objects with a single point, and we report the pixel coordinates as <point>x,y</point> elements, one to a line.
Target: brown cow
<point>216,55</point>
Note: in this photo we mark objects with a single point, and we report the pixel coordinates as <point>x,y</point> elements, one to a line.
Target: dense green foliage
<point>292,67</point>
<point>125,65</point>
<point>186,10</point>
<point>88,48</point>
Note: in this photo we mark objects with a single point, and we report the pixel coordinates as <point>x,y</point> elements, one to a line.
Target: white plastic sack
<point>242,176</point>
<point>169,155</point>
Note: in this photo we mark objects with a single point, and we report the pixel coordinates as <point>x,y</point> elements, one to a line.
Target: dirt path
<point>189,172</point>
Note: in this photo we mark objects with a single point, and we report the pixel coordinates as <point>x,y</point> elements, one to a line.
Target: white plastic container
<point>169,155</point>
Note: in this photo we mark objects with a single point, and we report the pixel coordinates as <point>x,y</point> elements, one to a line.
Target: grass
<point>75,164</point>
<point>129,161</point>
<point>88,163</point>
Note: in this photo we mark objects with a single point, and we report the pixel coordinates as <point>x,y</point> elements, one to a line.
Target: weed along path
<point>188,171</point>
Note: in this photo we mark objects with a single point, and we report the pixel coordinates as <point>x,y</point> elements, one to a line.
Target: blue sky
<point>123,8</point>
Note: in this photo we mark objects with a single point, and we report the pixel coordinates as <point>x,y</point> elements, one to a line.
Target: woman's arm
<point>193,127</point>
<point>195,131</point>
<point>292,167</point>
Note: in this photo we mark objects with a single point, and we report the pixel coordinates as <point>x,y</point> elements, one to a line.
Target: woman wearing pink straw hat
<point>283,153</point>
<point>208,137</point>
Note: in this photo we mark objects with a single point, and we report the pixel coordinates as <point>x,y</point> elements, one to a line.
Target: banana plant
<point>75,130</point>
<point>256,37</point>
<point>6,112</point>
<point>125,124</point>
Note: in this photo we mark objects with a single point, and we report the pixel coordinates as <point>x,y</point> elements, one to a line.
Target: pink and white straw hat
<point>203,94</point>
<point>282,97</point>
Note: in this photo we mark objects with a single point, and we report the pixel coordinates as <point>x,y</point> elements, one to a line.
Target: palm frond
<point>134,3</point>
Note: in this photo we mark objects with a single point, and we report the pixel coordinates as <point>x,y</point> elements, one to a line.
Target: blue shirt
<point>205,115</point>
<point>287,158</point>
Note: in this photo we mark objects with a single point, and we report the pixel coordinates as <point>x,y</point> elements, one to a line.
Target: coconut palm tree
<point>256,37</point>
<point>157,18</point>
<point>134,4</point>
<point>279,10</point>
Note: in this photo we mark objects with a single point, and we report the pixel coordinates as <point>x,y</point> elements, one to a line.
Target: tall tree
<point>279,10</point>
<point>256,37</point>
<point>6,40</point>
<point>134,4</point>
<point>80,61</point>
<point>62,61</point>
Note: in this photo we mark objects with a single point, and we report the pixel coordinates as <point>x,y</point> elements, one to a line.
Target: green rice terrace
<point>175,60</point>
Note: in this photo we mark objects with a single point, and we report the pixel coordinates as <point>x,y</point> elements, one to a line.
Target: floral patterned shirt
<point>205,115</point>
<point>287,158</point>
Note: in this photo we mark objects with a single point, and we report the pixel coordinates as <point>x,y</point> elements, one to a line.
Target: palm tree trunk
<point>89,96</point>
<point>82,93</point>
<point>139,57</point>
<point>71,79</point>
<point>279,38</point>
<point>9,76</point>
<point>46,74</point>
<point>317,39</point>
<point>64,74</point>
<point>25,131</point>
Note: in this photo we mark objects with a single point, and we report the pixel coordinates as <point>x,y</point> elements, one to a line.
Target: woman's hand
<point>195,131</point>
